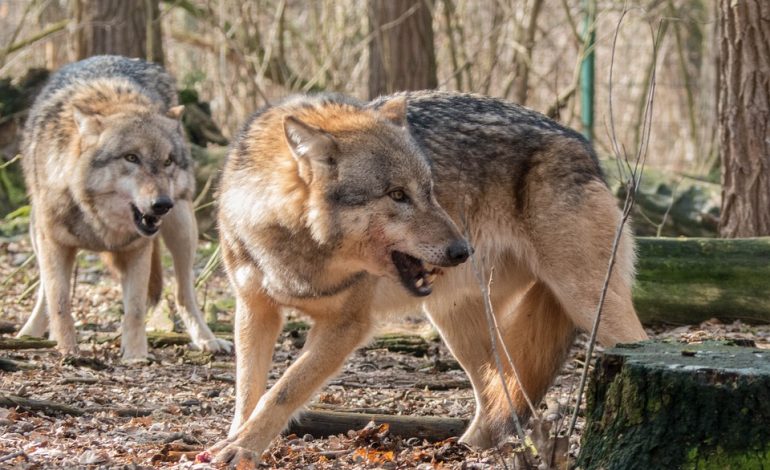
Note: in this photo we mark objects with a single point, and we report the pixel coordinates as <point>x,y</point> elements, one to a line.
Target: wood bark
<point>401,53</point>
<point>123,27</point>
<point>523,59</point>
<point>319,423</point>
<point>673,405</point>
<point>744,117</point>
<point>26,342</point>
<point>329,423</point>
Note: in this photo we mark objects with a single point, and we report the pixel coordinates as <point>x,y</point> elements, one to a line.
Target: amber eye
<point>168,161</point>
<point>398,195</point>
<point>130,157</point>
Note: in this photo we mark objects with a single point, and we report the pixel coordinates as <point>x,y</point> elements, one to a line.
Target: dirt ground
<point>186,399</point>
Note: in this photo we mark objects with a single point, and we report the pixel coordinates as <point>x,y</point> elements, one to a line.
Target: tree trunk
<point>673,405</point>
<point>124,27</point>
<point>522,60</point>
<point>401,53</point>
<point>744,117</point>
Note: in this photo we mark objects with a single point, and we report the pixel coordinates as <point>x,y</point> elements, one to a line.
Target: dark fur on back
<point>154,81</point>
<point>481,133</point>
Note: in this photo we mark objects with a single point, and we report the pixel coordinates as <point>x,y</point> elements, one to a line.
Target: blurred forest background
<point>232,57</point>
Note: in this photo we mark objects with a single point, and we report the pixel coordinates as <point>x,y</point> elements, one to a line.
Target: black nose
<point>162,205</point>
<point>458,251</point>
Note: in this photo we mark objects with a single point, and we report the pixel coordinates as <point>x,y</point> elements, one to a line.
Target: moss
<point>691,280</point>
<point>719,459</point>
<point>651,406</point>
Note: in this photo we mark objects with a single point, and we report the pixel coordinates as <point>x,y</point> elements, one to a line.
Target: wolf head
<point>135,163</point>
<point>370,191</point>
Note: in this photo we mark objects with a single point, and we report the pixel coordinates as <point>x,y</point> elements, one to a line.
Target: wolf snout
<point>161,205</point>
<point>458,251</point>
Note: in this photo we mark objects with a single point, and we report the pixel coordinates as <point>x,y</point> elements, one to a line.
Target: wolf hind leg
<point>37,323</point>
<point>536,334</point>
<point>180,235</point>
<point>573,253</point>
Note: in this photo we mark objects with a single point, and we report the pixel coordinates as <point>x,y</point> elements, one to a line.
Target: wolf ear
<point>308,142</point>
<point>394,110</point>
<point>88,121</point>
<point>175,112</point>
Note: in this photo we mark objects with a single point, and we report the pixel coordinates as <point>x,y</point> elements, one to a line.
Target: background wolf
<point>107,167</point>
<point>345,211</point>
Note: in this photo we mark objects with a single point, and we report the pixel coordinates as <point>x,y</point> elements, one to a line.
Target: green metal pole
<point>587,70</point>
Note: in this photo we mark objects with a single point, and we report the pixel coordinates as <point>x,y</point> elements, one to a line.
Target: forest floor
<point>186,399</point>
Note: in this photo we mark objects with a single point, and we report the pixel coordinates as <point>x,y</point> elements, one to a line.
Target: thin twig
<point>211,265</point>
<point>202,195</point>
<point>16,271</point>
<point>12,456</point>
<point>10,162</point>
<point>489,312</point>
<point>633,184</point>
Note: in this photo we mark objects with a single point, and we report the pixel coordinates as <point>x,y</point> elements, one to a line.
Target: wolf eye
<point>168,161</point>
<point>130,157</point>
<point>398,195</point>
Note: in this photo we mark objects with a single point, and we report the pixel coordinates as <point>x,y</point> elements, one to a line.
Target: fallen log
<point>690,280</point>
<point>26,342</point>
<point>46,406</point>
<point>674,405</point>
<point>49,407</point>
<point>321,423</point>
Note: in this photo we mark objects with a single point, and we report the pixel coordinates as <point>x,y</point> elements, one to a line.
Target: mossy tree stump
<point>672,405</point>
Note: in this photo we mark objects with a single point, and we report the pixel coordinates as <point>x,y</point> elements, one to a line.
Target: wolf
<point>107,169</point>
<point>346,211</point>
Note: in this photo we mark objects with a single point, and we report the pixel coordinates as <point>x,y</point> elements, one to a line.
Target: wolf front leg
<point>257,324</point>
<point>180,234</point>
<point>329,342</point>
<point>37,323</point>
<point>56,262</point>
<point>134,268</point>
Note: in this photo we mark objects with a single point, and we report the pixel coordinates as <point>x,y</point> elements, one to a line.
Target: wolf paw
<point>138,360</point>
<point>215,345</point>
<point>234,456</point>
<point>68,349</point>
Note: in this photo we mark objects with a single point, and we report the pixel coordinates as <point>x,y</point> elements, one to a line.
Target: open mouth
<point>414,276</point>
<point>147,224</point>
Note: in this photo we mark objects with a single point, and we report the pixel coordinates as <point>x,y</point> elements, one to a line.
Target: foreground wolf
<point>345,211</point>
<point>107,168</point>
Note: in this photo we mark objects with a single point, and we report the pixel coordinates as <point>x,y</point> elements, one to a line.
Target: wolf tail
<point>155,287</point>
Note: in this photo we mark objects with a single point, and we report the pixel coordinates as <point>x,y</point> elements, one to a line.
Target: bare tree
<point>744,117</point>
<point>125,27</point>
<point>401,53</point>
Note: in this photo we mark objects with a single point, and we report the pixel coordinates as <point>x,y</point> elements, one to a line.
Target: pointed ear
<point>394,111</point>
<point>175,112</point>
<point>308,142</point>
<point>88,121</point>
